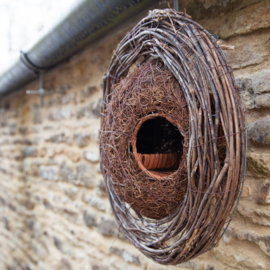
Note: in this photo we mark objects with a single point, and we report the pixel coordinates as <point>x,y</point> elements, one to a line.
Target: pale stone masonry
<point>54,211</point>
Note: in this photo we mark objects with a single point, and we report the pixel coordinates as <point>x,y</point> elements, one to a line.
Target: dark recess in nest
<point>158,135</point>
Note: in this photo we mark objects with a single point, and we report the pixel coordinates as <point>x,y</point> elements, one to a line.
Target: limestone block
<point>255,89</point>
<point>239,22</point>
<point>262,240</point>
<point>255,45</point>
<point>95,108</point>
<point>97,266</point>
<point>27,203</point>
<point>60,114</point>
<point>49,173</point>
<point>264,197</point>
<point>71,192</point>
<point>39,248</point>
<point>75,156</point>
<point>83,112</point>
<point>259,131</point>
<point>258,163</point>
<point>55,100</point>
<point>36,114</point>
<point>91,155</point>
<point>47,204</point>
<point>66,173</point>
<point>108,227</point>
<point>87,92</point>
<point>70,214</point>
<point>119,264</point>
<point>65,264</point>
<point>97,203</point>
<point>257,216</point>
<point>60,245</point>
<point>100,189</point>
<point>89,219</point>
<point>2,201</point>
<point>97,167</point>
<point>69,98</point>
<point>96,135</point>
<point>6,223</point>
<point>92,110</point>
<point>127,256</point>
<point>183,266</point>
<point>85,175</point>
<point>29,152</point>
<point>82,140</point>
<point>23,130</point>
<point>237,261</point>
<point>59,138</point>
<point>12,129</point>
<point>23,141</point>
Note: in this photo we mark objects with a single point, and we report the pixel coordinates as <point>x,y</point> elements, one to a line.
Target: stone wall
<point>54,210</point>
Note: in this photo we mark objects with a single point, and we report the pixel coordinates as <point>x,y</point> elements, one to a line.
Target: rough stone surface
<point>60,114</point>
<point>66,173</point>
<point>82,140</point>
<point>69,98</point>
<point>262,241</point>
<point>101,189</point>
<point>91,155</point>
<point>29,152</point>
<point>125,255</point>
<point>87,92</point>
<point>89,219</point>
<point>240,262</point>
<point>96,135</point>
<point>99,267</point>
<point>48,172</point>
<point>259,131</point>
<point>239,22</point>
<point>85,175</point>
<point>245,45</point>
<point>95,108</point>
<point>264,193</point>
<point>59,138</point>
<point>258,163</point>
<point>257,216</point>
<point>12,129</point>
<point>108,227</point>
<point>23,130</point>
<point>81,176</point>
<point>36,114</point>
<point>255,89</point>
<point>96,203</point>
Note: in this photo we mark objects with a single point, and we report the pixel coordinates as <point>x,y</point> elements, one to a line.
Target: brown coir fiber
<point>149,91</point>
<point>215,150</point>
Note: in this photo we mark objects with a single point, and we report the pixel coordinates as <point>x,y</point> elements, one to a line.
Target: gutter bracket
<point>2,110</point>
<point>41,91</point>
<point>38,71</point>
<point>176,5</point>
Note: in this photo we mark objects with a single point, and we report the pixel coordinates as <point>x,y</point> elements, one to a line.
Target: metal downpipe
<point>86,22</point>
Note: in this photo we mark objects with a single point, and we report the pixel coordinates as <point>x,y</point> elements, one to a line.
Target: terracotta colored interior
<point>159,146</point>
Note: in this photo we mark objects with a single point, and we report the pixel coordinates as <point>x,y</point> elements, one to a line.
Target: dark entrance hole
<point>159,146</point>
<point>158,136</point>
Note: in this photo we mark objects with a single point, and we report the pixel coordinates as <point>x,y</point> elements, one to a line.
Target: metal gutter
<point>87,22</point>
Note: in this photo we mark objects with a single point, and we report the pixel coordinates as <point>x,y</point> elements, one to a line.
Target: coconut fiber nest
<point>173,138</point>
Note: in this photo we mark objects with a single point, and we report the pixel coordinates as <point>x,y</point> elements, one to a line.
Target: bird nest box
<point>173,141</point>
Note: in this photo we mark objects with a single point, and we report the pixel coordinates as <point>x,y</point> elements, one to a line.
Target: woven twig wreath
<point>173,141</point>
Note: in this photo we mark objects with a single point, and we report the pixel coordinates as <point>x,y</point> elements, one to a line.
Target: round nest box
<point>173,141</point>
